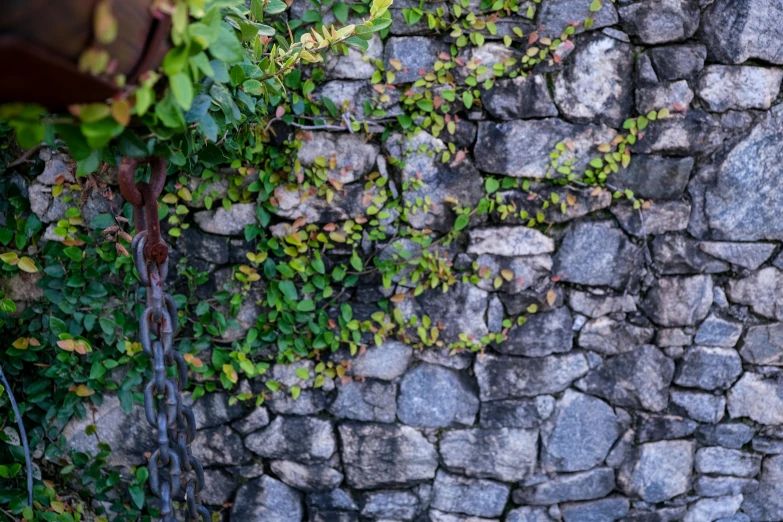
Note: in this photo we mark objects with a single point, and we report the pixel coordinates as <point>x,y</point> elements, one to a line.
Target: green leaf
<point>305,306</point>
<point>595,6</point>
<point>425,105</point>
<point>302,373</point>
<point>467,99</point>
<point>340,11</point>
<point>227,47</point>
<point>137,495</point>
<point>289,290</point>
<point>356,261</point>
<point>461,222</point>
<point>364,32</point>
<point>295,392</point>
<point>182,88</point>
<point>491,185</point>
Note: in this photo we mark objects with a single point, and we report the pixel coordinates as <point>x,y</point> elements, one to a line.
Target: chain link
<point>175,474</point>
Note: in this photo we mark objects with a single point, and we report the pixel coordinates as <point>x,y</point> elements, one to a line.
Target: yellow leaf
<point>497,282</point>
<point>105,24</point>
<point>83,391</point>
<point>230,373</point>
<point>508,275</point>
<point>10,257</point>
<point>66,344</point>
<point>21,344</point>
<point>185,194</point>
<point>130,348</point>
<point>170,199</point>
<point>121,112</point>
<point>57,190</point>
<point>551,297</point>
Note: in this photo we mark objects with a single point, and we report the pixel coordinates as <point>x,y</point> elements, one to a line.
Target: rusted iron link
<point>144,198</point>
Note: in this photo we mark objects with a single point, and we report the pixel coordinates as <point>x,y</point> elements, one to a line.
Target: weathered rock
<point>356,64</point>
<point>676,254</point>
<point>434,396</point>
<point>194,243</point>
<point>557,15</point>
<point>526,272</point>
<point>302,439</point>
<point>528,514</point>
<point>387,361</point>
<point>520,98</point>
<point>610,336</point>
<point>256,420</point>
<point>516,413</point>
<point>309,402</point>
<point>509,241</point>
<point>414,54</point>
<point>713,508</point>
<point>504,377</point>
<point>315,477</point>
<point>660,21</point>
<point>705,486</point>
<point>722,461</point>
<point>586,201</point>
<point>398,505</point>
<point>595,84</point>
<point>678,62</point>
<point>661,217</point>
<point>267,499</point>
<point>639,378</point>
<point>756,397</point>
<point>498,145</point>
<point>219,487</point>
<point>458,360</point>
<point>745,255</point>
<point>588,485</point>
<point>766,504</point>
<point>693,133</point>
<point>461,310</point>
<point>442,183</point>
<point>332,506</point>
<point>659,470</point>
<point>732,435</point>
<point>580,433</point>
<point>702,407</point>
<point>735,32</point>
<point>595,306</point>
<point>608,509</point>
<point>672,337</point>
<point>489,55</point>
<point>219,446</point>
<point>504,454</point>
<point>350,95</point>
<point>655,177</point>
<point>760,291</point>
<point>679,301</point>
<point>725,87</point>
<point>716,331</point>
<point>353,156</point>
<point>597,254</point>
<point>652,428</point>
<point>762,345</point>
<point>478,497</point>
<point>296,203</point>
<point>708,368</point>
<point>227,222</point>
<point>385,455</point>
<point>664,95</point>
<point>366,401</point>
<point>543,334</point>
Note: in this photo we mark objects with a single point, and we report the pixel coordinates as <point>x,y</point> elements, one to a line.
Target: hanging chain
<point>171,464</point>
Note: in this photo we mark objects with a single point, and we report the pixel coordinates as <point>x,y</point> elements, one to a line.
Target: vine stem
<point>23,435</point>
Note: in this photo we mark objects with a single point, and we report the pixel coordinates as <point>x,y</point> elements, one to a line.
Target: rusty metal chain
<point>175,474</point>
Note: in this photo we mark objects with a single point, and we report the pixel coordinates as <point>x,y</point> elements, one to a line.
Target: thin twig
<point>23,435</point>
<point>24,157</point>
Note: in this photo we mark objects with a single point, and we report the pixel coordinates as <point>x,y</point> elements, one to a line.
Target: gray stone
<point>227,222</point>
<point>708,368</point>
<point>353,156</point>
<point>461,310</point>
<point>387,361</point>
<point>661,217</point>
<point>723,461</point>
<point>679,301</point>
<point>595,85</point>
<point>195,244</point>
<point>556,16</point>
<point>756,397</point>
<point>766,504</point>
<point>309,402</point>
<point>660,21</point>
<point>732,435</point>
<point>745,255</point>
<point>639,378</point>
<point>314,477</point>
<point>705,486</point>
<point>256,420</point>
<point>509,241</point>
<point>219,446</point>
<point>219,487</point>
<point>767,445</point>
<point>542,334</point>
<point>665,95</point>
<point>604,510</point>
<point>528,514</point>
<point>366,401</point>
<point>526,272</point>
<point>655,177</point>
<point>498,145</point>
<point>692,133</point>
<point>588,485</point>
<point>586,201</point>
<point>505,454</point>
<point>331,504</point>
<point>513,413</point>
<point>414,53</point>
<point>478,497</point>
<point>385,455</point>
<point>716,331</point>
<point>520,98</point>
<point>597,254</point>
<point>398,505</point>
<point>672,337</point>
<point>702,407</point>
<point>356,64</point>
<point>458,360</point>
<point>678,62</point>
<point>434,396</point>
<point>762,345</point>
<point>652,428</point>
<point>659,470</point>
<point>610,336</point>
<point>735,32</point>
<point>725,87</point>
<point>708,509</point>
<point>595,306</point>
<point>504,377</point>
<point>440,516</point>
<point>489,55</point>
<point>302,439</point>
<point>676,254</point>
<point>296,203</point>
<point>267,499</point>
<point>580,433</point>
<point>760,291</point>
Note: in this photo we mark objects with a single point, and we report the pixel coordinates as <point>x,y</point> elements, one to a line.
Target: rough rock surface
<point>449,398</point>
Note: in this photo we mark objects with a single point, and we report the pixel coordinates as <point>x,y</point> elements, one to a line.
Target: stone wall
<point>647,387</point>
